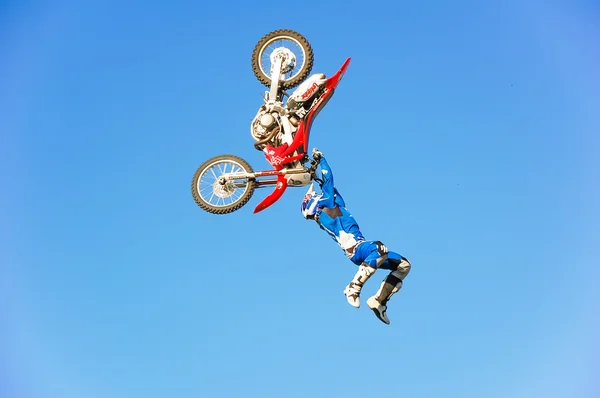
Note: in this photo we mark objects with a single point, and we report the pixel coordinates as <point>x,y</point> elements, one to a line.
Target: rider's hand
<point>316,154</point>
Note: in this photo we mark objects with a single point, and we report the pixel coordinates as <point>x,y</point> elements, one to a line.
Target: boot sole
<point>376,311</point>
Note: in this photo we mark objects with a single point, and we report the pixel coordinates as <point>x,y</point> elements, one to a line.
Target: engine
<point>266,127</point>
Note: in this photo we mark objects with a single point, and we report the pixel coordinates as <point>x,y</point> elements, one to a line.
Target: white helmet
<point>310,202</point>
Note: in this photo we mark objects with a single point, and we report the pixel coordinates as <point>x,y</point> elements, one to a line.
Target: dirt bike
<point>223,184</point>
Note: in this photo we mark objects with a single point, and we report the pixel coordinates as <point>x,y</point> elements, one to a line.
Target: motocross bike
<point>223,184</point>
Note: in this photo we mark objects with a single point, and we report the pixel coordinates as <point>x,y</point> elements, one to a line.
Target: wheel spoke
<point>216,194</point>
<point>289,43</point>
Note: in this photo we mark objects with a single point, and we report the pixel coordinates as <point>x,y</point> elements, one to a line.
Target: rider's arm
<point>327,187</point>
<point>338,199</point>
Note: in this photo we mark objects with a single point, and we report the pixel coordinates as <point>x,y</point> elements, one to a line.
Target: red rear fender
<point>274,196</point>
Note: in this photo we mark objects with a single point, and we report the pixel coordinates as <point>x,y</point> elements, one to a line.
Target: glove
<point>316,154</point>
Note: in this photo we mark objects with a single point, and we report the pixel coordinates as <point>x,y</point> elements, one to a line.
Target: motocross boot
<point>352,291</point>
<point>378,303</point>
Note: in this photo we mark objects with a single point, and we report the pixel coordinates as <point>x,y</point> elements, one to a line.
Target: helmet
<point>310,202</point>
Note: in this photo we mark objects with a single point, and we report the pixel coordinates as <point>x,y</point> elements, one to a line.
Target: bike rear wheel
<point>217,195</point>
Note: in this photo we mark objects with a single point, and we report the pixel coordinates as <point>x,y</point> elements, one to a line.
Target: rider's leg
<point>400,267</point>
<point>370,255</point>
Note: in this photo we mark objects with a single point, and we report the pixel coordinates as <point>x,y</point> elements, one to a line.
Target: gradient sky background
<point>464,136</point>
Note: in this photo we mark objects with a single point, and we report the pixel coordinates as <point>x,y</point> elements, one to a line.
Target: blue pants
<point>369,253</point>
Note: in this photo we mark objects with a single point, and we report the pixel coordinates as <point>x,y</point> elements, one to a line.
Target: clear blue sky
<point>464,136</point>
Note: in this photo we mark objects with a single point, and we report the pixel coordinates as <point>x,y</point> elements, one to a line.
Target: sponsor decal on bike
<point>301,112</point>
<point>276,160</point>
<point>311,90</point>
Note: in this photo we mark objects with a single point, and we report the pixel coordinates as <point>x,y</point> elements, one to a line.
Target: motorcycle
<point>225,183</point>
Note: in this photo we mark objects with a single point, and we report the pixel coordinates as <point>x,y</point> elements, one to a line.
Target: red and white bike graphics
<point>281,60</point>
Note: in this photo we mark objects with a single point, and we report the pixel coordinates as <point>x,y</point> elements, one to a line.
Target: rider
<point>328,209</point>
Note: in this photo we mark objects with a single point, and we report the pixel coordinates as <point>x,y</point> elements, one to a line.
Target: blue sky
<point>464,136</point>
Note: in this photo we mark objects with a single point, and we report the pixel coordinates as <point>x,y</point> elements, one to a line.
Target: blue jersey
<point>340,225</point>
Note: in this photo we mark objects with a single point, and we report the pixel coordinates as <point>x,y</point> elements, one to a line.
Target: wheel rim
<point>271,45</point>
<point>215,194</point>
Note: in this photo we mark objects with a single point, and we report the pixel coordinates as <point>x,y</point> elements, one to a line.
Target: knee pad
<point>402,268</point>
<point>397,274</point>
